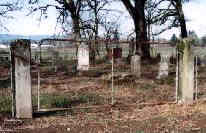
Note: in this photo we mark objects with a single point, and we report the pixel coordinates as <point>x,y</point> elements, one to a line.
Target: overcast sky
<point>194,12</point>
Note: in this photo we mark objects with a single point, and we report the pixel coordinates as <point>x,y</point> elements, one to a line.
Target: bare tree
<point>181,18</point>
<point>66,9</point>
<point>7,7</point>
<point>136,9</point>
<point>151,13</point>
<point>97,11</point>
<point>172,15</point>
<point>109,28</point>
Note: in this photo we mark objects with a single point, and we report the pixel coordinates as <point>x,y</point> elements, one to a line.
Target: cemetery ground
<point>141,105</point>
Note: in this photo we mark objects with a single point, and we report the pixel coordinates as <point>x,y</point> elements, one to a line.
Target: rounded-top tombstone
<point>83,57</point>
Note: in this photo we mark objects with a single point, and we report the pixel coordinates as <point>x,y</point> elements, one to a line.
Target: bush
<point>60,102</point>
<point>6,104</point>
<point>54,101</point>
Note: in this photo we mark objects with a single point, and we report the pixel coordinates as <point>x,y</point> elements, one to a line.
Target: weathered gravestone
<point>153,52</point>
<point>164,67</point>
<point>117,55</point>
<point>185,72</point>
<point>136,65</point>
<point>203,61</point>
<point>21,78</point>
<point>83,57</point>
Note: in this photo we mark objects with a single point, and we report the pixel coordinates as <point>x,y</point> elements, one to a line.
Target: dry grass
<point>137,107</point>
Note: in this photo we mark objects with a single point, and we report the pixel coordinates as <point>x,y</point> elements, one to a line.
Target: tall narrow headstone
<point>136,65</point>
<point>21,78</point>
<point>83,57</point>
<point>186,72</point>
<point>164,67</point>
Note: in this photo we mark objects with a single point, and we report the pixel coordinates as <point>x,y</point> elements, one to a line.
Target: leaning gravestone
<point>21,78</point>
<point>136,65</point>
<point>164,67</point>
<point>83,57</point>
<point>186,72</point>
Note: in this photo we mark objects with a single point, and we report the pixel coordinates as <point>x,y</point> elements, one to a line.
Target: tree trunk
<point>96,28</point>
<point>92,52</point>
<point>76,32</point>
<point>142,47</point>
<point>148,32</point>
<point>181,20</point>
<point>131,50</point>
<point>138,14</point>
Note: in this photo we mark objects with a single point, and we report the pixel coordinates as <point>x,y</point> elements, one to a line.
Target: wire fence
<point>5,82</point>
<point>62,86</point>
<point>57,84</point>
<point>109,81</point>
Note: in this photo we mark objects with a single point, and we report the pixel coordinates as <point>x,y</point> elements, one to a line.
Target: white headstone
<point>136,65</point>
<point>186,72</point>
<point>164,66</point>
<point>83,57</point>
<point>21,78</point>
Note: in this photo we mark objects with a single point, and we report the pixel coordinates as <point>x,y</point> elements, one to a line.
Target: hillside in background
<point>9,37</point>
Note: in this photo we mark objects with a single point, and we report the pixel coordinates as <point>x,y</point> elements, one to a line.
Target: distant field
<point>70,53</point>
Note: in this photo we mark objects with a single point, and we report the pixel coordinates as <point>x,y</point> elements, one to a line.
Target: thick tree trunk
<point>181,20</point>
<point>142,47</point>
<point>131,50</point>
<point>92,52</point>
<point>76,28</point>
<point>76,32</point>
<point>138,14</point>
<point>183,28</point>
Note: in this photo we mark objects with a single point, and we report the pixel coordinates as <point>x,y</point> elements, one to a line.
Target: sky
<point>30,25</point>
<point>195,14</point>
